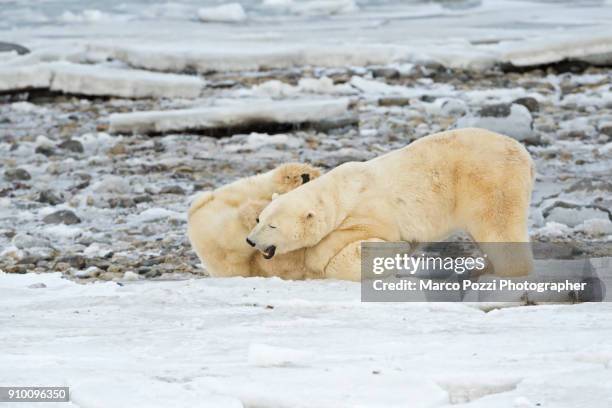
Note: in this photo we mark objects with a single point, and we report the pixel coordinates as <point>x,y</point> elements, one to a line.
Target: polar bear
<point>465,179</point>
<point>220,220</point>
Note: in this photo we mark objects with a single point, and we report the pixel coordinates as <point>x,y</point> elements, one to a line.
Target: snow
<point>227,13</point>
<point>316,7</point>
<point>87,16</point>
<point>90,272</point>
<point>239,113</point>
<point>156,214</point>
<point>575,216</point>
<point>519,124</point>
<point>266,342</point>
<point>595,227</point>
<point>553,229</point>
<point>256,141</point>
<point>265,356</point>
<point>323,85</point>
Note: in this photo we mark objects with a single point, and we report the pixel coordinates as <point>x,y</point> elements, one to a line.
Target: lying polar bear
<point>220,220</point>
<point>465,179</point>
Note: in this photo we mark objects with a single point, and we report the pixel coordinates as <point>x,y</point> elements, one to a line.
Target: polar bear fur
<point>466,179</point>
<point>220,220</point>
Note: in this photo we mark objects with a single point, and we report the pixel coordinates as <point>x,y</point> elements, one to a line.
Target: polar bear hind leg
<point>503,237</point>
<point>346,264</point>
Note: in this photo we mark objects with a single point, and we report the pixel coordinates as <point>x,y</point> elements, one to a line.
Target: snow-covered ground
<point>271,343</point>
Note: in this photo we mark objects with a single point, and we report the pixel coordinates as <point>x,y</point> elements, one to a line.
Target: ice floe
<point>244,113</point>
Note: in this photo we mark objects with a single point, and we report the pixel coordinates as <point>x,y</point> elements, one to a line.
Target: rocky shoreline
<point>95,204</point>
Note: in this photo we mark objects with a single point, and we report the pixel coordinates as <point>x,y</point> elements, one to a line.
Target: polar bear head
<point>290,176</point>
<point>294,220</point>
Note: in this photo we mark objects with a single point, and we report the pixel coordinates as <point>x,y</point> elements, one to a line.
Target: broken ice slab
<point>97,80</point>
<point>264,116</point>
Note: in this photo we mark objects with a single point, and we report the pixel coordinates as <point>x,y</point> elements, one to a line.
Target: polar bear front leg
<point>346,264</point>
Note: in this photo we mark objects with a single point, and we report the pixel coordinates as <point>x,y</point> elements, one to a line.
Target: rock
<point>606,129</point>
<point>153,273</point>
<point>118,149</point>
<point>385,72</point>
<point>121,202</point>
<point>26,241</point>
<point>44,150</point>
<point>115,268</point>
<point>16,175</point>
<point>131,276</point>
<point>528,102</point>
<point>49,197</point>
<point>72,145</point>
<point>16,269</point>
<point>61,266</point>
<point>8,47</point>
<point>75,261</point>
<point>172,190</point>
<point>108,276</point>
<point>512,120</point>
<point>35,255</point>
<point>66,217</point>
<point>394,101</point>
<point>91,272</point>
<point>500,110</point>
<point>143,199</point>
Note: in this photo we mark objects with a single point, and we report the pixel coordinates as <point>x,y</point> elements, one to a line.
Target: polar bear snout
<point>269,252</point>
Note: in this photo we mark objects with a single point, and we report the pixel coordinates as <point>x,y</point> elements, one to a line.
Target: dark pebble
<point>606,130</point>
<point>16,269</point>
<point>16,174</point>
<point>8,47</point>
<point>143,199</point>
<point>394,101</point>
<point>66,217</point>
<point>76,261</point>
<point>500,110</point>
<point>72,145</point>
<point>529,102</point>
<point>173,190</point>
<point>49,197</point>
<point>45,150</point>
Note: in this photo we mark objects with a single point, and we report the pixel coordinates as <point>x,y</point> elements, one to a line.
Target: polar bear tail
<point>200,201</point>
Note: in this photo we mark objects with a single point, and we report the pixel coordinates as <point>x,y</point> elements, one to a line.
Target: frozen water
<point>456,33</point>
<point>266,342</point>
<point>228,13</point>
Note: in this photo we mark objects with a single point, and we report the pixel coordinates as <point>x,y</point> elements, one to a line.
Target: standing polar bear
<point>466,179</point>
<point>220,220</point>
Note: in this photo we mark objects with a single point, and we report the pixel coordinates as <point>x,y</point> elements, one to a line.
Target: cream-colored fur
<point>219,222</point>
<point>465,179</point>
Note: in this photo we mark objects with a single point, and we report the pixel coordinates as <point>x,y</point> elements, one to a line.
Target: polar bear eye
<point>257,220</point>
<point>272,226</point>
